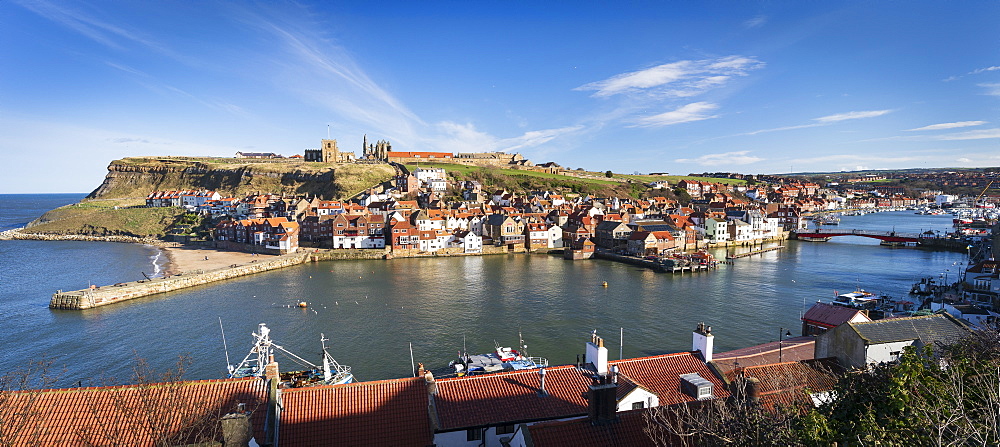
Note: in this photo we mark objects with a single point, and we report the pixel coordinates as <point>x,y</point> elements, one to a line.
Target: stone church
<point>329,153</point>
<point>377,151</point>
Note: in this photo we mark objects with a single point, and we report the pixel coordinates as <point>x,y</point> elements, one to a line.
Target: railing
<point>867,233</point>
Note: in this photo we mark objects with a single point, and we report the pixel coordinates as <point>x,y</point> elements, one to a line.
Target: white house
<point>716,230</point>
<point>555,236</point>
<point>469,242</point>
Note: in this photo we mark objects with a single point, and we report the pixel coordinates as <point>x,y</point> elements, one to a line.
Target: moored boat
<point>858,298</point>
<point>501,359</point>
<point>263,351</point>
<point>827,219</point>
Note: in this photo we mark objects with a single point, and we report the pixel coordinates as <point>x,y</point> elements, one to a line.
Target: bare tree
<point>739,420</point>
<point>20,401</point>
<point>159,408</point>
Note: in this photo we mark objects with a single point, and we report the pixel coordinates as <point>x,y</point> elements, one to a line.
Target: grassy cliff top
<point>578,182</point>
<point>136,177</point>
<point>108,217</point>
<point>263,165</point>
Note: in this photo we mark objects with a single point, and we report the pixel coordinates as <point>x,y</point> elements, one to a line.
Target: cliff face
<point>137,177</point>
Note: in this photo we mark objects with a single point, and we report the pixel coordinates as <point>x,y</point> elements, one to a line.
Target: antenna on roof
<point>229,366</point>
<point>327,131</point>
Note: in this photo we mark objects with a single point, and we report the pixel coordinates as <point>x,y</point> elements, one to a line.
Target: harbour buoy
<point>605,284</point>
<point>303,304</point>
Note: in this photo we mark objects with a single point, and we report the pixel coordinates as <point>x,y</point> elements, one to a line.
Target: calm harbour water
<point>372,310</point>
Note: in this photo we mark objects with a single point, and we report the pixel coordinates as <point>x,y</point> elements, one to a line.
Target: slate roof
<point>939,328</point>
<point>128,415</point>
<point>380,413</point>
<point>829,315</point>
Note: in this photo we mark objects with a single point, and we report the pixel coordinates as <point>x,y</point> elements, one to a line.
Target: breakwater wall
<point>102,296</point>
<point>18,234</point>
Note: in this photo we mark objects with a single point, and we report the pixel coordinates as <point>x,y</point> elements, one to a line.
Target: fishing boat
<point>857,298</point>
<point>815,238</point>
<point>827,219</point>
<point>501,359</point>
<point>263,351</point>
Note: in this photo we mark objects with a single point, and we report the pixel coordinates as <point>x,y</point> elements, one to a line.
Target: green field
<point>126,217</point>
<point>646,179</point>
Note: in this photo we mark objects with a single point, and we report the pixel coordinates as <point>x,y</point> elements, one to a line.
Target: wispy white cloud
<point>682,78</point>
<point>970,135</point>
<point>779,129</point>
<point>695,111</point>
<point>755,22</point>
<point>728,158</point>
<point>963,160</point>
<point>985,69</point>
<point>536,138</point>
<point>948,125</point>
<point>89,25</point>
<point>991,89</point>
<point>822,121</point>
<point>973,72</point>
<point>456,137</point>
<point>851,116</point>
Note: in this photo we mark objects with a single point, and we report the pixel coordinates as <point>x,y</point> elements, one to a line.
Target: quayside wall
<point>101,296</point>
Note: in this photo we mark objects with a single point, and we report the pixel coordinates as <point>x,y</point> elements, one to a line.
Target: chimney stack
<point>271,369</point>
<point>602,400</point>
<point>752,389</point>
<point>236,430</point>
<point>703,341</point>
<point>432,387</point>
<point>541,380</point>
<point>597,354</point>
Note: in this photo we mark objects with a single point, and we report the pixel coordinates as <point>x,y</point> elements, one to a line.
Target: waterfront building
<point>822,317</point>
<point>859,344</point>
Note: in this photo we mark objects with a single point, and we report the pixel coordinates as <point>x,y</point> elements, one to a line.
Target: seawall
<point>102,296</point>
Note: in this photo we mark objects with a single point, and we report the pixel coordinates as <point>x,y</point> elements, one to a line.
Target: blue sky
<point>679,87</point>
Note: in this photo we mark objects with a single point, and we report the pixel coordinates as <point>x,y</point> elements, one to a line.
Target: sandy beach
<point>186,259</point>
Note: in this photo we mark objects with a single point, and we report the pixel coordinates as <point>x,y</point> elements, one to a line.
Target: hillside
<point>137,177</point>
<point>107,217</point>
<point>117,207</point>
<point>575,182</point>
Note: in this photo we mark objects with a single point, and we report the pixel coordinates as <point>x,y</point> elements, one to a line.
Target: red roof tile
<point>131,415</point>
<point>792,349</point>
<point>831,316</point>
<point>661,375</point>
<point>381,413</point>
<point>500,398</point>
<point>629,430</point>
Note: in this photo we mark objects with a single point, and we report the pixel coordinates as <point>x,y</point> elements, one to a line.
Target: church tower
<point>330,152</point>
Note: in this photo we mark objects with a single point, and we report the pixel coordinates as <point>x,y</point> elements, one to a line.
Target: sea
<point>383,317</point>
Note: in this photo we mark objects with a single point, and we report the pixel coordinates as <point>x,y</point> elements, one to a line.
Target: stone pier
<point>101,296</point>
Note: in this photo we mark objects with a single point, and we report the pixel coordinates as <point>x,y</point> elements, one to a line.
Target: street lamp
<point>782,333</point>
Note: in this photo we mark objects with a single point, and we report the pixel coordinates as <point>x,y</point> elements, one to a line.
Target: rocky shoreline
<point>19,234</point>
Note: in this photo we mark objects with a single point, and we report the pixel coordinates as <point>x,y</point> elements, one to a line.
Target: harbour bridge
<point>885,236</point>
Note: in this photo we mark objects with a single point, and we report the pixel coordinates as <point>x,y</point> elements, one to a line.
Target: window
<point>638,405</point>
<point>505,429</point>
<point>474,434</point>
